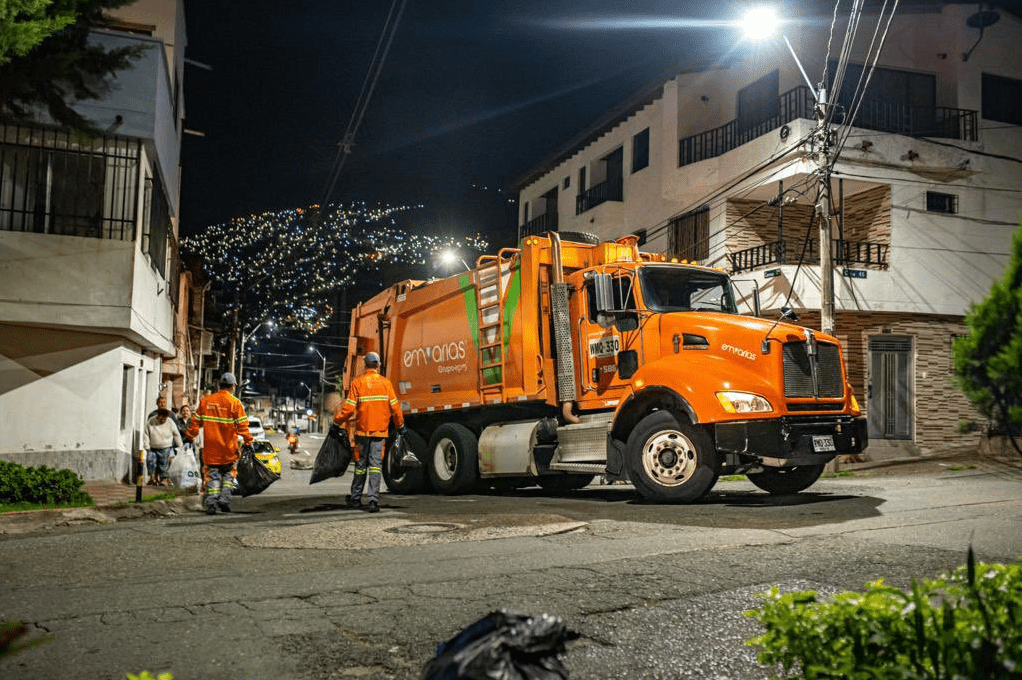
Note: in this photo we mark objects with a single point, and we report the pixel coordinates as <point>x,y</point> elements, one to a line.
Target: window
<point>156,225</point>
<point>941,203</point>
<point>127,394</point>
<point>567,181</point>
<point>642,235</point>
<point>582,179</point>
<point>624,296</point>
<point>640,150</point>
<point>55,183</point>
<point>668,288</point>
<point>689,235</point>
<point>1002,99</point>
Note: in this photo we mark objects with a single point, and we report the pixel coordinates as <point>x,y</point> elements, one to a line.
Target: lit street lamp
<point>450,258</point>
<point>244,343</point>
<point>761,23</point>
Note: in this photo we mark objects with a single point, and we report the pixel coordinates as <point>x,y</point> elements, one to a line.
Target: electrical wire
<point>362,104</point>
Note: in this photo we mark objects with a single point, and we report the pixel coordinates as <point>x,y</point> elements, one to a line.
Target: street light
<point>244,343</point>
<point>450,258</point>
<point>760,23</point>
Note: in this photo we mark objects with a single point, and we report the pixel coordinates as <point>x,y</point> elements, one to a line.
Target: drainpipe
<point>561,322</point>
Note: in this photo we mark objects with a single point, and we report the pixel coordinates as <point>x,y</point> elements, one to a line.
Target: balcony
<point>867,254</point>
<point>611,190</point>
<point>538,225</point>
<point>912,121</point>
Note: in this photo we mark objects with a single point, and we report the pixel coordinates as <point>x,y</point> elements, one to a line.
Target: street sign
<point>771,273</point>
<point>854,273</point>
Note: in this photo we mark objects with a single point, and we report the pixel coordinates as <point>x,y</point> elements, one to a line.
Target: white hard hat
<point>372,359</point>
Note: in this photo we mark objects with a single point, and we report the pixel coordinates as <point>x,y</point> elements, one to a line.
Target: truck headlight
<point>743,402</point>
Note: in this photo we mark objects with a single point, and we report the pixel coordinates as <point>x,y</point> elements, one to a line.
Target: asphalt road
<point>293,585</point>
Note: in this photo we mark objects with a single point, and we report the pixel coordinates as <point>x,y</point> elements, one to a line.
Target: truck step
<point>594,468</point>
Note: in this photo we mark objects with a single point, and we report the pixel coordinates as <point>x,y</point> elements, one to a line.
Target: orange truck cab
<point>556,361</point>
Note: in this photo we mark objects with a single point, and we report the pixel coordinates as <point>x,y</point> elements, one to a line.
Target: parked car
<point>255,426</point>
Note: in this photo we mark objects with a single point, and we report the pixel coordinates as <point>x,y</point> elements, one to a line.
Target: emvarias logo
<point>435,354</point>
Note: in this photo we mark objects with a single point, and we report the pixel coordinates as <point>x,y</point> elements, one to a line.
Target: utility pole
<point>823,138</point>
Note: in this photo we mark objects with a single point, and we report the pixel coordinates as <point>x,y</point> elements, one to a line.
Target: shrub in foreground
<point>40,485</point>
<point>966,624</point>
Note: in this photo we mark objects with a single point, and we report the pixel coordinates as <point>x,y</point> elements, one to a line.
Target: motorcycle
<point>292,443</point>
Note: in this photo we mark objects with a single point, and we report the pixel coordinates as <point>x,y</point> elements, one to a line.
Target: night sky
<point>472,95</point>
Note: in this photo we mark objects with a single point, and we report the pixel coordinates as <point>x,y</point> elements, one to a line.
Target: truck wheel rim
<point>445,459</point>
<point>669,458</point>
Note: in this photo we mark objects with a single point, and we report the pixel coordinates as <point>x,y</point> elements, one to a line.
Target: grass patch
<point>20,507</point>
<point>168,495</point>
<point>841,473</point>
<point>954,468</point>
<point>732,478</point>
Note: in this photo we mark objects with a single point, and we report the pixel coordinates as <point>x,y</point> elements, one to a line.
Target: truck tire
<point>453,459</point>
<point>786,480</point>
<point>669,461</point>
<point>405,480</point>
<point>565,482</point>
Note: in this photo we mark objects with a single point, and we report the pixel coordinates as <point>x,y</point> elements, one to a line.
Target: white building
<point>88,260</point>
<point>713,165</point>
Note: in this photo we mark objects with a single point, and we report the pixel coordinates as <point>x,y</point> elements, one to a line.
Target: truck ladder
<point>491,279</point>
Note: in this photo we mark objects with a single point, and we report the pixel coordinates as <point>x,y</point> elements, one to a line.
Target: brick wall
<point>938,406</point>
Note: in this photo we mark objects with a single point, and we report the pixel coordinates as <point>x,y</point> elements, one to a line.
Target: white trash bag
<point>184,471</point>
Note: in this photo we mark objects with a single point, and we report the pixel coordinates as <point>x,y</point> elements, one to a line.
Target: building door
<point>890,388</point>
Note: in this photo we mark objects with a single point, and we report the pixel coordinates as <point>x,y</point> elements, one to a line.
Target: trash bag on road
<point>503,646</point>
<point>253,475</point>
<point>334,456</point>
<point>184,470</point>
<point>403,453</point>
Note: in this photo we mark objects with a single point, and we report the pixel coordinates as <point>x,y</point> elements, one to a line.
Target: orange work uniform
<point>372,400</point>
<point>223,420</point>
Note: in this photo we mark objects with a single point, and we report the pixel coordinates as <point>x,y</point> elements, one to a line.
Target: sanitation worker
<point>372,401</point>
<point>222,419</point>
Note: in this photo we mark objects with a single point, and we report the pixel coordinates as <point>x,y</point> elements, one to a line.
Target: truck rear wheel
<point>788,479</point>
<point>406,479</point>
<point>670,461</point>
<point>453,459</point>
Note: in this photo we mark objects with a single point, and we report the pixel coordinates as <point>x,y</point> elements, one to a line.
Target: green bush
<point>41,485</point>
<point>965,624</point>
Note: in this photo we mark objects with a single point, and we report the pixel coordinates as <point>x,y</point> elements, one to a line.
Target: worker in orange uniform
<point>223,420</point>
<point>372,401</point>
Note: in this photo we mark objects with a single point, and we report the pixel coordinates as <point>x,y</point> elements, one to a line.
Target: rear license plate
<point>823,443</point>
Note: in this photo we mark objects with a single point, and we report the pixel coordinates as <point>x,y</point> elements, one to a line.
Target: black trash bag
<point>503,646</point>
<point>253,475</point>
<point>403,454</point>
<point>334,456</point>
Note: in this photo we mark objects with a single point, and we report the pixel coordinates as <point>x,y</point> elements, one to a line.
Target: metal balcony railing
<point>611,190</point>
<point>868,254</point>
<point>538,225</point>
<point>912,121</point>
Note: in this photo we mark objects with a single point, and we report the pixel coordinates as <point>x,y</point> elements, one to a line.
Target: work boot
<point>374,506</point>
<point>225,507</point>
<point>211,509</point>
<point>352,502</point>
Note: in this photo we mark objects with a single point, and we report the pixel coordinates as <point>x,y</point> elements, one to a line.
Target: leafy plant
<point>145,675</point>
<point>41,486</point>
<point>10,632</point>
<point>962,625</point>
<point>988,361</point>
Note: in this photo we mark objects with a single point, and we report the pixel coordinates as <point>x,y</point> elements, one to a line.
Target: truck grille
<point>798,371</point>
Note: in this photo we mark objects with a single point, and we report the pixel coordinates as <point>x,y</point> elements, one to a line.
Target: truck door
<point>609,352</point>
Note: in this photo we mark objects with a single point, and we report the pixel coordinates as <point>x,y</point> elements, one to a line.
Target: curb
<point>26,521</point>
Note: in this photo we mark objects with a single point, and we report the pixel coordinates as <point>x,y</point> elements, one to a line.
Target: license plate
<point>823,443</point>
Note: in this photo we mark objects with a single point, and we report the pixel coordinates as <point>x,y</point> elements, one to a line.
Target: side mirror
<point>604,290</point>
<point>627,363</point>
<point>626,321</point>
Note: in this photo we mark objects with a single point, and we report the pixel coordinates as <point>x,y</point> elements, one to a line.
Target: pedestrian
<point>222,419</point>
<point>185,421</point>
<point>159,438</point>
<point>371,400</point>
<point>161,402</point>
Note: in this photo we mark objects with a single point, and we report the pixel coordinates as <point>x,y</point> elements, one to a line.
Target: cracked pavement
<point>294,587</point>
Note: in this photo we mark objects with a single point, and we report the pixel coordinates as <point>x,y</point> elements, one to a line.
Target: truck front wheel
<point>786,480</point>
<point>406,480</point>
<point>670,461</point>
<point>453,459</point>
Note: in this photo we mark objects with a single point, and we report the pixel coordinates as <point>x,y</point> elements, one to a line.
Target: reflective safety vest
<point>222,419</point>
<point>372,400</point>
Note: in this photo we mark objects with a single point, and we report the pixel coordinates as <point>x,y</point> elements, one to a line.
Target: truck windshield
<point>680,289</point>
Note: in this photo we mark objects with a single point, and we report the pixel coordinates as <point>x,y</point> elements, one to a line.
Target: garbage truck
<point>566,357</point>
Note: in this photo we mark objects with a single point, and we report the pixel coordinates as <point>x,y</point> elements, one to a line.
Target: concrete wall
<point>73,400</point>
